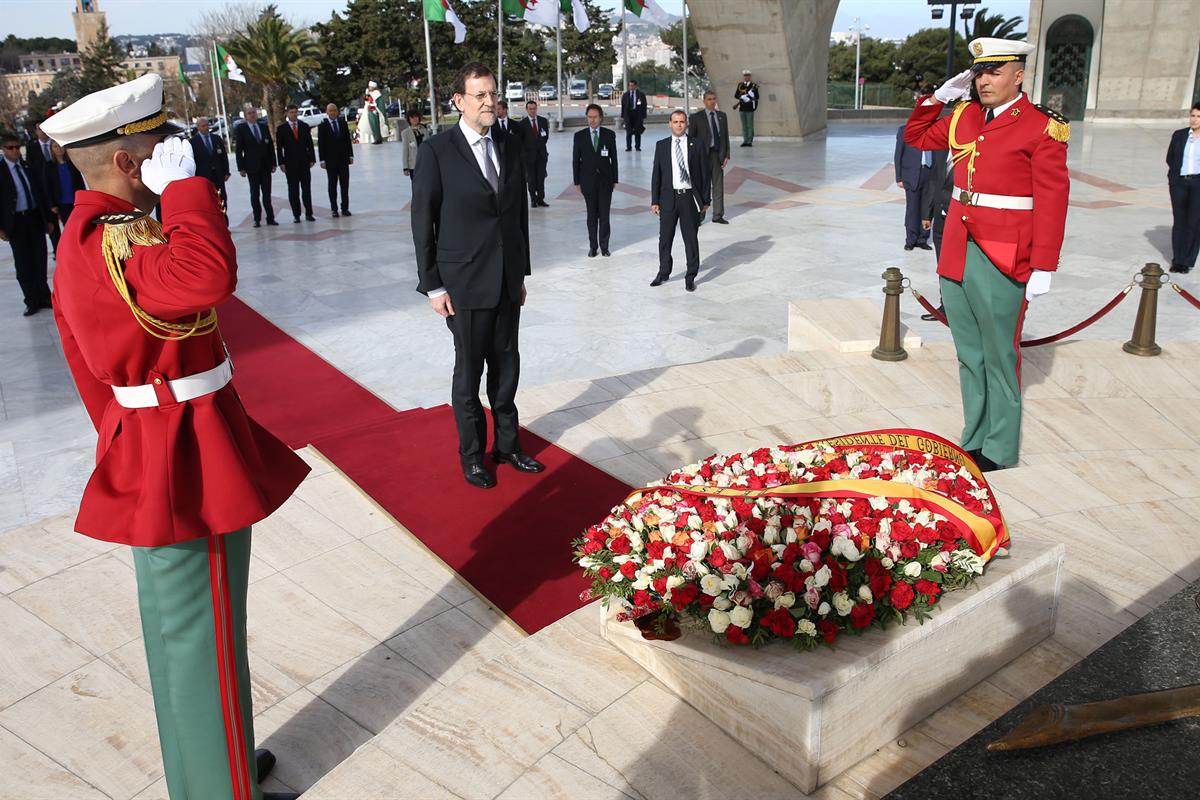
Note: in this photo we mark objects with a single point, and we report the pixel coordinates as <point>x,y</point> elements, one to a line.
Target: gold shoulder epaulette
<point>1058,127</point>
<point>119,217</point>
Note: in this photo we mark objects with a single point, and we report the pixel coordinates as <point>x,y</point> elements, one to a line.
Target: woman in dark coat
<point>62,181</point>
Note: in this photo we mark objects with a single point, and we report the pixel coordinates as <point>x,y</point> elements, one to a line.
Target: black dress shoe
<point>296,219</point>
<point>628,149</point>
<point>476,475</point>
<point>346,212</point>
<point>931,317</point>
<point>720,220</point>
<point>257,224</point>
<point>310,218</point>
<point>264,761</point>
<point>543,204</point>
<point>689,284</point>
<point>659,280</point>
<point>591,252</point>
<point>987,465</point>
<point>909,246</point>
<point>335,213</point>
<point>31,310</point>
<point>604,252</point>
<point>639,149</point>
<point>924,246</point>
<point>272,222</point>
<point>519,460</point>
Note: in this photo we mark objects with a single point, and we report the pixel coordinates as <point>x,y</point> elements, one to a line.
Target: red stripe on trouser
<point>235,742</point>
<point>1017,337</point>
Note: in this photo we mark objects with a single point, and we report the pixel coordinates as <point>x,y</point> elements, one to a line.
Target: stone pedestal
<point>844,325</point>
<point>811,715</point>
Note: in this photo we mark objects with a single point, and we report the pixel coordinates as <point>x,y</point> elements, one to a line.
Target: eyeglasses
<point>481,96</point>
<point>12,147</point>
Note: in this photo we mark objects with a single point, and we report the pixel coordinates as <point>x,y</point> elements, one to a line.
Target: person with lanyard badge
<point>537,154</point>
<point>594,170</point>
<point>181,472</point>
<point>1183,180</point>
<point>1003,233</point>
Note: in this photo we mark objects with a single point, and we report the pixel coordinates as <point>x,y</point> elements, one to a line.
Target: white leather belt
<point>187,388</point>
<point>995,200</point>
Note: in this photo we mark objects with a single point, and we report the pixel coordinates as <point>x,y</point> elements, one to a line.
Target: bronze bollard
<point>1142,343</point>
<point>890,346</point>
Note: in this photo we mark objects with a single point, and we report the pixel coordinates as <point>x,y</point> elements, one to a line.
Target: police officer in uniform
<point>1003,232</point>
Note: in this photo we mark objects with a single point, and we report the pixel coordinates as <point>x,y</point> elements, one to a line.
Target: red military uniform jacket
<point>1016,156</point>
<point>179,471</point>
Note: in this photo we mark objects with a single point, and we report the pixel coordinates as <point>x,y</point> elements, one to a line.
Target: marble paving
<point>815,219</point>
<point>379,674</point>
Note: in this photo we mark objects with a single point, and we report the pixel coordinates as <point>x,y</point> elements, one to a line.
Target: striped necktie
<point>682,162</point>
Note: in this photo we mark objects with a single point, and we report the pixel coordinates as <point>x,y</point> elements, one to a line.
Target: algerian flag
<point>576,9</point>
<point>187,85</point>
<point>648,10</point>
<point>440,11</point>
<point>229,67</point>
<point>539,12</point>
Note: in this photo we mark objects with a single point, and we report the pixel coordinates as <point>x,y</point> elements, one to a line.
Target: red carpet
<point>511,543</point>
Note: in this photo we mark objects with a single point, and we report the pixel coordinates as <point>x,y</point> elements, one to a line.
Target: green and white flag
<point>229,67</point>
<point>187,85</point>
<point>440,11</point>
<point>539,12</point>
<point>578,12</point>
<point>648,10</point>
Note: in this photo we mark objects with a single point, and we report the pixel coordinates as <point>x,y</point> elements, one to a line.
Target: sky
<point>888,19</point>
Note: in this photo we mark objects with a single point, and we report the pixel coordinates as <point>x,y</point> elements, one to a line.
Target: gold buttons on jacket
<point>158,381</point>
<point>981,137</point>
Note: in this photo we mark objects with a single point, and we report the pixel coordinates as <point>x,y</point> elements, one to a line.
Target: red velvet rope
<point>1185,294</point>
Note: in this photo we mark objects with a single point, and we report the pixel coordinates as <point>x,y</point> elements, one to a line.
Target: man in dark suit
<point>679,193</point>
<point>1183,181</point>
<point>633,115</point>
<point>256,163</point>
<point>912,171</point>
<point>337,154</point>
<point>37,156</point>
<point>935,204</point>
<point>24,222</point>
<point>212,159</point>
<point>537,153</point>
<point>710,127</point>
<point>293,139</point>
<point>470,228</point>
<point>594,166</point>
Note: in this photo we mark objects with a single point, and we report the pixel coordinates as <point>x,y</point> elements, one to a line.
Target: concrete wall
<point>1092,11</point>
<point>786,45</point>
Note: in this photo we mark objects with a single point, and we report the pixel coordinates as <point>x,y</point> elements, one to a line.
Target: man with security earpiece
<point>1003,231</point>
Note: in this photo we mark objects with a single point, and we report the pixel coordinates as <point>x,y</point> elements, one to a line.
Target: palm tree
<point>275,55</point>
<point>996,26</point>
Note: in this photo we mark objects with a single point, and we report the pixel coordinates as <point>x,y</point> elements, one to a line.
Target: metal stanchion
<point>891,347</point>
<point>1142,343</point>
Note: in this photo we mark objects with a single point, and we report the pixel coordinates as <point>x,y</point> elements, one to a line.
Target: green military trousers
<point>986,309</point>
<point>747,127</point>
<point>192,598</point>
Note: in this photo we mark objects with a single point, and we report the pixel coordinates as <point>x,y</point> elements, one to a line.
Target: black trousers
<point>633,135</point>
<point>913,233</point>
<point>681,209</point>
<point>338,176</point>
<point>56,231</point>
<point>299,180</point>
<point>64,214</point>
<point>1185,230</point>
<point>260,187</point>
<point>599,200</point>
<point>28,243</point>
<point>486,336</point>
<point>537,179</point>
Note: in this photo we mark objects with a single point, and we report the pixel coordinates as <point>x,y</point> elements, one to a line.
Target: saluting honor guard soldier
<point>1003,231</point>
<point>181,471</point>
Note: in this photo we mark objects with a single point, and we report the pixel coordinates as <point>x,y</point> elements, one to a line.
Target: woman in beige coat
<point>411,138</point>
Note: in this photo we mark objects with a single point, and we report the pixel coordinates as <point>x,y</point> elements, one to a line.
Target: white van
<point>578,90</point>
<point>514,92</point>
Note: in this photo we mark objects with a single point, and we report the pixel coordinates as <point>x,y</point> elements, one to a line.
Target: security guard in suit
<point>997,253</point>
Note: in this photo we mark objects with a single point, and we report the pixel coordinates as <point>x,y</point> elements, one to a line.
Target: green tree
<point>877,62</point>
<point>995,26</point>
<point>589,55</point>
<point>276,55</point>
<point>101,64</point>
<point>673,37</point>
<point>155,50</point>
<point>66,87</point>
<point>921,61</point>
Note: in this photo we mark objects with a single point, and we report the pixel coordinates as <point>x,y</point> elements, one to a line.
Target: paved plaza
<point>812,219</point>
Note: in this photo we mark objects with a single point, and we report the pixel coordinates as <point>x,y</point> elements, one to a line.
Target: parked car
<point>514,91</point>
<point>605,91</point>
<point>577,90</point>
<point>547,92</point>
<point>311,114</point>
<point>393,108</point>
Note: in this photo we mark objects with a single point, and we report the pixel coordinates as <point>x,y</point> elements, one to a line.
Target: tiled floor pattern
<point>368,653</point>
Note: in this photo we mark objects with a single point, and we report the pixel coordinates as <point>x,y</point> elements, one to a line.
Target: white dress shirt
<point>1190,165</point>
<point>677,181</point>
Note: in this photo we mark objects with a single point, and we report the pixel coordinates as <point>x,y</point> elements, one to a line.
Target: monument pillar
<point>89,19</point>
<point>786,46</point>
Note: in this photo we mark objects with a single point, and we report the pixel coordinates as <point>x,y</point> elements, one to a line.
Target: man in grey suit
<point>710,127</point>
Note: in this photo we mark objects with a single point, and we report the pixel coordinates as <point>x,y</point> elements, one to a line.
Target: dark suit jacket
<point>214,166</point>
<point>700,128</point>
<point>589,166</point>
<point>469,240</point>
<point>34,157</point>
<point>295,151</point>
<point>634,113</point>
<point>536,147</point>
<point>662,191</point>
<point>1175,154</point>
<point>907,160</point>
<point>50,181</point>
<point>335,151</point>
<point>253,155</point>
<point>514,131</point>
<point>935,196</point>
<point>8,196</point>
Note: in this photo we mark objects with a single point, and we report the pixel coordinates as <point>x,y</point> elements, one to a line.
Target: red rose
<point>620,545</point>
<point>655,550</point>
<point>660,585</point>
<point>735,635</point>
<point>629,570</point>
<point>867,525</point>
<point>902,596</point>
<point>643,598</point>
<point>786,521</point>
<point>779,622</point>
<point>880,584</point>
<point>838,580</point>
<point>862,614</point>
<point>591,548</point>
<point>761,456</point>
<point>717,558</point>
<point>928,588</point>
<point>828,630</point>
<point>706,600</point>
<point>909,549</point>
<point>683,595</point>
<point>742,508</point>
<point>926,535</point>
<point>901,532</point>
<point>757,525</point>
<point>605,573</point>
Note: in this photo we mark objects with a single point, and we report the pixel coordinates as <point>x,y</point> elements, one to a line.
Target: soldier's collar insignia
<point>120,217</point>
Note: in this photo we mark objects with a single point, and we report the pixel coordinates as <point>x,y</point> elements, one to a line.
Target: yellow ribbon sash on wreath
<point>985,533</point>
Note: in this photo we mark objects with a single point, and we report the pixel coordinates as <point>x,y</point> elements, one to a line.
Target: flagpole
<point>212,60</point>
<point>222,110</point>
<point>624,53</point>
<point>686,101</point>
<point>433,109</point>
<point>558,57</point>
<point>499,48</point>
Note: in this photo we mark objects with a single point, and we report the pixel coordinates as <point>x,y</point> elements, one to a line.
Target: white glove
<point>171,160</point>
<point>1039,283</point>
<point>956,87</point>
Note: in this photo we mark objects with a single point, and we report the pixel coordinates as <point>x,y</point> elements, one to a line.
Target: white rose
<point>823,609</point>
<point>864,594</point>
<point>741,616</point>
<point>711,585</point>
<point>674,581</point>
<point>740,571</point>
<point>667,530</point>
<point>886,562</point>
<point>822,576</point>
<point>806,565</point>
<point>806,627</point>
<point>771,535</point>
<point>587,562</point>
<point>806,457</point>
<point>743,544</point>
<point>722,603</point>
<point>729,582</point>
<point>785,600</point>
<point>842,603</point>
<point>730,551</point>
<point>879,503</point>
<point>642,582</point>
<point>698,550</point>
<point>718,620</point>
<point>912,569</point>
